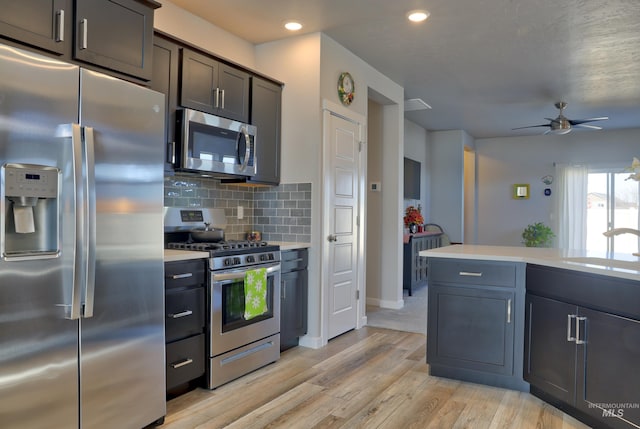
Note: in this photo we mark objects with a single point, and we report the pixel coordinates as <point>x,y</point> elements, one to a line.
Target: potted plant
<point>537,235</point>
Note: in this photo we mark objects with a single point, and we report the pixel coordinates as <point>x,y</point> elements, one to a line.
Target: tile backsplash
<point>281,213</point>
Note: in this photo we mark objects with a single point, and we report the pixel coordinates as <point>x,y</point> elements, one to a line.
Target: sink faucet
<point>618,231</point>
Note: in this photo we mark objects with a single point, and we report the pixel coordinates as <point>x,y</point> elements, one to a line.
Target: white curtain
<point>571,206</point>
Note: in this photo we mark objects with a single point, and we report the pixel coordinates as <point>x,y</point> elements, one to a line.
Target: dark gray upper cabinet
<point>115,34</point>
<point>38,23</point>
<point>214,87</point>
<point>165,80</point>
<point>266,111</point>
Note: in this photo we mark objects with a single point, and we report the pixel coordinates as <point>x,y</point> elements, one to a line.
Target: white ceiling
<point>485,66</point>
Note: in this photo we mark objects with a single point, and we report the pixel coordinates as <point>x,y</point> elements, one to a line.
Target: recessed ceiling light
<point>293,26</point>
<point>418,15</point>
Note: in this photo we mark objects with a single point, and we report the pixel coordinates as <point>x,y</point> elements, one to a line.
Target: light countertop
<point>173,255</point>
<point>616,265</point>
<point>290,245</point>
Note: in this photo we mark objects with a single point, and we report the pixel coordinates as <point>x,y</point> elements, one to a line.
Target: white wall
<point>416,147</point>
<point>502,162</point>
<point>309,65</point>
<point>336,59</point>
<point>296,62</point>
<point>447,181</point>
<point>374,205</point>
<point>183,25</point>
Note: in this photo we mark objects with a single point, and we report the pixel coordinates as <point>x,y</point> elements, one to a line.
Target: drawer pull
<point>181,276</point>
<point>179,315</point>
<point>470,274</point>
<point>295,260</point>
<point>181,364</point>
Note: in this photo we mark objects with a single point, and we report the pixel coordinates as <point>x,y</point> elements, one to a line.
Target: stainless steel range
<point>238,342</point>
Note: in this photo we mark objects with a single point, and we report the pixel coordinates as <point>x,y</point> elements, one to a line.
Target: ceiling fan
<point>563,125</point>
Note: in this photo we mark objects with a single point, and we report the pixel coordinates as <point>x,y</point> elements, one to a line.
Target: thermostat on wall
<point>375,186</point>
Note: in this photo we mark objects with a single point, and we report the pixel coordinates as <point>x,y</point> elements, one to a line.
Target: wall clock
<point>346,88</point>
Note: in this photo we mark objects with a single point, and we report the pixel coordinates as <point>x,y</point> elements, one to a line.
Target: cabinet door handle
<point>509,310</point>
<point>181,314</point>
<point>181,276</point>
<point>217,98</point>
<point>171,152</point>
<point>578,320</point>
<point>183,363</point>
<point>569,318</point>
<point>222,98</point>
<point>470,274</point>
<point>283,290</point>
<point>60,25</point>
<point>84,28</point>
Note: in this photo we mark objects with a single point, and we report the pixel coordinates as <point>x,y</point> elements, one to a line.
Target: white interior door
<point>342,145</point>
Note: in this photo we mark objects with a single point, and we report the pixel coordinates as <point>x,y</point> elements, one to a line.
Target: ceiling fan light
<point>560,131</point>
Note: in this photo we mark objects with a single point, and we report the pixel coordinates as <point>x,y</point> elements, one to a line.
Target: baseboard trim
<point>311,342</point>
<point>382,303</point>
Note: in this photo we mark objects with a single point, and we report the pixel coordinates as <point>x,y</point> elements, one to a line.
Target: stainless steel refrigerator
<point>81,243</point>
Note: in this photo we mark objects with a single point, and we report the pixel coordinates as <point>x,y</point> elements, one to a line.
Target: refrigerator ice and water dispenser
<point>30,222</point>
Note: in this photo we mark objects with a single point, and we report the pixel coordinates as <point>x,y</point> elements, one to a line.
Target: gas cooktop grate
<point>216,246</point>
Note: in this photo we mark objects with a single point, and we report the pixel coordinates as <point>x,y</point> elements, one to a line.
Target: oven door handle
<point>239,274</point>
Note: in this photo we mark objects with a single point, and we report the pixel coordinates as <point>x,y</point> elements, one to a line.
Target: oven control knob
<point>263,257</point>
<point>236,261</point>
<point>227,262</point>
<point>271,258</point>
<point>251,258</point>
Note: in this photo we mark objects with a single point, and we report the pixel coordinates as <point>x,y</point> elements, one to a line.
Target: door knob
<point>331,238</point>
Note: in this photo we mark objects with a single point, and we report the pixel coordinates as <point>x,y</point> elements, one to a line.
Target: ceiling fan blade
<point>582,121</point>
<point>530,126</point>
<point>593,127</point>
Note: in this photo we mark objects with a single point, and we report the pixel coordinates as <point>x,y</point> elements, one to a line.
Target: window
<point>612,202</point>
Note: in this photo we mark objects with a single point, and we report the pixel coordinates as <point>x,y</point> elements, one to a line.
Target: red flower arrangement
<point>413,215</point>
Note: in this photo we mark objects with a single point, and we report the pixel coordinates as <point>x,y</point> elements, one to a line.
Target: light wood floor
<point>370,378</point>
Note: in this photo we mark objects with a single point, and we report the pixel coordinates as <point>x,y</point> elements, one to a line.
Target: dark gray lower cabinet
<point>294,293</point>
<point>184,324</point>
<point>476,321</point>
<point>582,360</point>
<point>585,359</point>
<point>474,328</point>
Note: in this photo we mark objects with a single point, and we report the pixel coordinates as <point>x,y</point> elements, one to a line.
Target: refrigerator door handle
<point>78,268</point>
<point>89,204</point>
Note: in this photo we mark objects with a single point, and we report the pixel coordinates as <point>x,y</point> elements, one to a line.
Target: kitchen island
<point>563,324</point>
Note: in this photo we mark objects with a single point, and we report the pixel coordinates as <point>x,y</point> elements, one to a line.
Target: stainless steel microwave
<point>215,146</point>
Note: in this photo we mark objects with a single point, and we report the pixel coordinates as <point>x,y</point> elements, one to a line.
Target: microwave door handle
<point>247,153</point>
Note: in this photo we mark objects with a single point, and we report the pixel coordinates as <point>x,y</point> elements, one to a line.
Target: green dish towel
<point>255,293</point>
